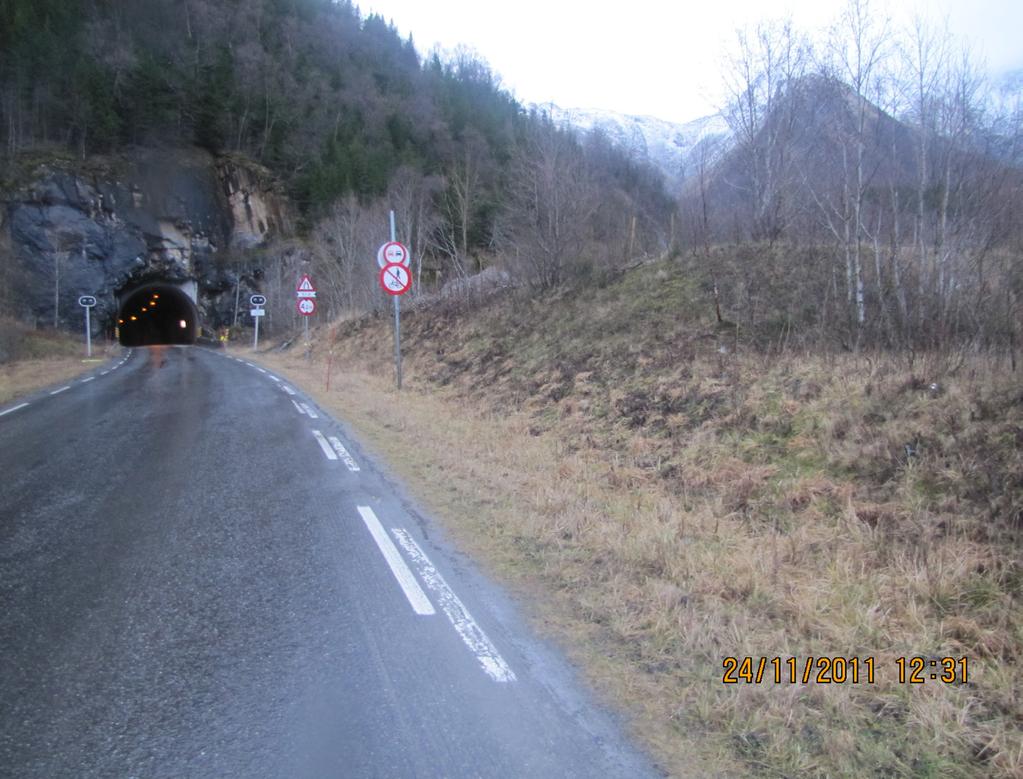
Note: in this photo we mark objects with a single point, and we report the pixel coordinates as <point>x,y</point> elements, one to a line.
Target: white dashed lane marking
<point>324,445</point>
<point>346,458</point>
<point>416,597</point>
<point>300,410</point>
<point>13,409</point>
<point>62,389</point>
<point>88,379</point>
<point>472,634</point>
<point>312,414</point>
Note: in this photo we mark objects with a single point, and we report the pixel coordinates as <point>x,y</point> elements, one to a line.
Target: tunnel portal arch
<point>157,313</point>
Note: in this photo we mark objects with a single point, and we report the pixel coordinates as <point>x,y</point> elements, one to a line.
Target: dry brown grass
<point>660,514</point>
<point>26,376</point>
<point>35,359</point>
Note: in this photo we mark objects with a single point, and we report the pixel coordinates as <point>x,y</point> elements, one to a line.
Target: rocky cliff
<point>105,226</point>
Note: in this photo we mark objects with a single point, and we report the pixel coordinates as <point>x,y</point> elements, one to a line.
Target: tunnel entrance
<point>157,314</point>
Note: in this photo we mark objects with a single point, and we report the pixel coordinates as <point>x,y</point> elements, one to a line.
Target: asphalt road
<point>202,575</point>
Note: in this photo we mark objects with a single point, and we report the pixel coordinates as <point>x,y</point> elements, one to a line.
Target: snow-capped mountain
<point>678,150</point>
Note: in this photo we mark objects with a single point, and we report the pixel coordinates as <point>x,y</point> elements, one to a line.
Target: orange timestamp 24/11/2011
<point>840,670</point>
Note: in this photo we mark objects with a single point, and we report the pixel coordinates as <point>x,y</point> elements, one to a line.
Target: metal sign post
<point>397,322</point>
<point>87,302</point>
<point>393,259</point>
<point>306,302</point>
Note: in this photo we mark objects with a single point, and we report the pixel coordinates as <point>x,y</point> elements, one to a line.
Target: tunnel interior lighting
<point>156,315</point>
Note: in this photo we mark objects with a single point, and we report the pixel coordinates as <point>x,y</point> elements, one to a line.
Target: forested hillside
<point>307,87</point>
<point>336,104</point>
<point>869,195</point>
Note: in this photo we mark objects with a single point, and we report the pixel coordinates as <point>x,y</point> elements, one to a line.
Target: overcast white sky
<point>653,57</point>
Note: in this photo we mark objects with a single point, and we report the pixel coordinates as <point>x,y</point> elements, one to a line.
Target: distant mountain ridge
<point>675,149</point>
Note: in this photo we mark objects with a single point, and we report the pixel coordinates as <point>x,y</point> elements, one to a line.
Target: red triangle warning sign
<point>305,285</point>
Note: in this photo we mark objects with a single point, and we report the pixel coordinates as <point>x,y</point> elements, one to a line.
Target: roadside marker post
<point>257,312</point>
<point>87,302</point>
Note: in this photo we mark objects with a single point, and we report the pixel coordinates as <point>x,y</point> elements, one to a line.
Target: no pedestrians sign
<point>395,278</point>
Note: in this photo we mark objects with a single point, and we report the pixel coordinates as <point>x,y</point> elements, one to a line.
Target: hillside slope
<point>677,150</point>
<point>669,499</point>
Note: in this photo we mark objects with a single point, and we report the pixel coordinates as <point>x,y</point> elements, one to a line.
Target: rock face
<point>109,226</point>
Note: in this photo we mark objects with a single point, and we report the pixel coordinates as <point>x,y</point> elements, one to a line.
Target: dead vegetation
<point>31,359</point>
<point>666,499</point>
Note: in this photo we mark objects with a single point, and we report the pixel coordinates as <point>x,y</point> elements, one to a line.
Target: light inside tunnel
<point>174,321</point>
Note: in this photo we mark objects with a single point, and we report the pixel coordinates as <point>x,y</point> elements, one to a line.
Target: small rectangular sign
<point>258,312</point>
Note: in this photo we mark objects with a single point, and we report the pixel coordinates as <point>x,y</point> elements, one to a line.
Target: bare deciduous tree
<point>344,250</point>
<point>855,54</point>
<point>413,196</point>
<point>546,225</point>
<point>763,77</point>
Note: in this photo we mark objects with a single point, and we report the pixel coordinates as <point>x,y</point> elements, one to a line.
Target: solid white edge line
<point>88,379</point>
<point>416,597</point>
<point>324,445</point>
<point>346,458</point>
<point>62,389</point>
<point>312,414</point>
<point>300,411</point>
<point>472,634</point>
<point>13,408</point>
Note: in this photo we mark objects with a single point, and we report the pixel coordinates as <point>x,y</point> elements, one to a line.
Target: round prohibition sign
<point>306,306</point>
<point>392,252</point>
<point>395,278</point>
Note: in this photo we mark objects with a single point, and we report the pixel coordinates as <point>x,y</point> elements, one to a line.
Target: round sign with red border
<point>306,306</point>
<point>395,278</point>
<point>393,252</point>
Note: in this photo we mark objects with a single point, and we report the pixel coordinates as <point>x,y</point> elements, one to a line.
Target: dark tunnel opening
<point>157,314</point>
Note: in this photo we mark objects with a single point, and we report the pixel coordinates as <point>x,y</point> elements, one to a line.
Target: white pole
<point>255,341</point>
<point>88,334</point>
